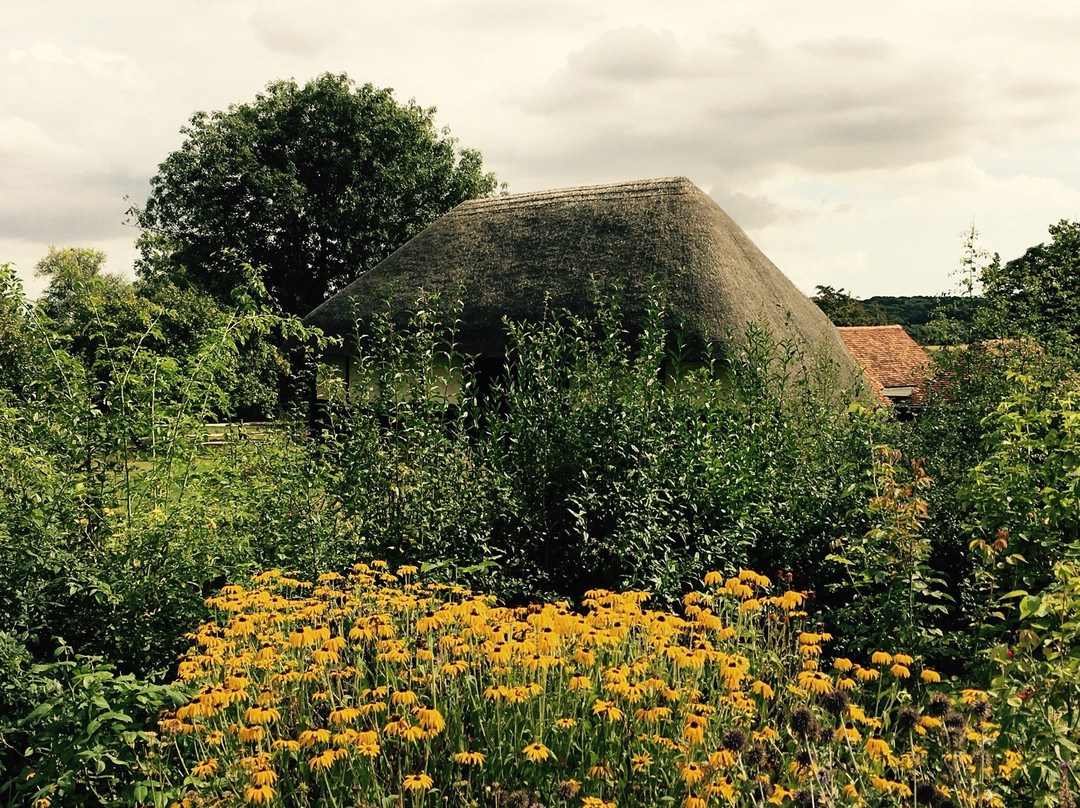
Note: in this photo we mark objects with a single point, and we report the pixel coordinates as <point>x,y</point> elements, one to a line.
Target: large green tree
<point>312,184</point>
<point>843,309</point>
<point>1038,294</point>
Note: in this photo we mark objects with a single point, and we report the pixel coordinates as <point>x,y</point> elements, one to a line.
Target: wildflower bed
<point>379,690</point>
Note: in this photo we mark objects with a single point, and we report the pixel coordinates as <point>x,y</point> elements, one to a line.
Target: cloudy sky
<point>852,139</point>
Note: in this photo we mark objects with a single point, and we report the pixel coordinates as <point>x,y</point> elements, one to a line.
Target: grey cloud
<point>754,211</point>
<point>748,106</point>
<point>72,209</point>
<point>629,55</point>
<point>853,48</point>
<point>299,29</point>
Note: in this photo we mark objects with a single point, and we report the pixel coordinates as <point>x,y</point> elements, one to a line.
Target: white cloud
<point>852,140</point>
<point>301,29</point>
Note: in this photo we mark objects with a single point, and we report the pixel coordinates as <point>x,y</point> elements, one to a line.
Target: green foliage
<point>1038,294</point>
<point>1027,489</point>
<point>843,309</point>
<point>87,735</point>
<point>21,353</point>
<point>1037,686</point>
<point>888,569</point>
<point>312,184</point>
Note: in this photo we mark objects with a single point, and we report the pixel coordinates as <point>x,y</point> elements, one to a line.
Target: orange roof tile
<point>888,358</point>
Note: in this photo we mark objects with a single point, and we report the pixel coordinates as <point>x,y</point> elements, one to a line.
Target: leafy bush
<point>1037,686</point>
<point>88,738</point>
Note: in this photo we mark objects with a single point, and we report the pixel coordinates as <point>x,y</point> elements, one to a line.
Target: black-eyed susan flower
<point>468,758</point>
<point>344,715</point>
<point>641,761</point>
<point>264,777</point>
<point>403,698</point>
<point>324,760</point>
<point>596,802</point>
<point>579,683</point>
<point>536,752</point>
<point>417,782</point>
<point>430,719</point>
<point>877,748</point>
<point>251,734</point>
<point>881,658</point>
<point>691,773</point>
<point>206,768</point>
<point>310,737</point>
<point>930,676</point>
<point>257,795</point>
<point>762,689</point>
<point>694,729</point>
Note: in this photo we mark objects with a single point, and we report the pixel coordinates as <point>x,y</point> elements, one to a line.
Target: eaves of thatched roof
<point>521,256</point>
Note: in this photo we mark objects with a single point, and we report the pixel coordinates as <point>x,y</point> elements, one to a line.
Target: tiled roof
<point>889,358</point>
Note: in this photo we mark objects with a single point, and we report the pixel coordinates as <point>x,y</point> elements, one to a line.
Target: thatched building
<point>521,256</point>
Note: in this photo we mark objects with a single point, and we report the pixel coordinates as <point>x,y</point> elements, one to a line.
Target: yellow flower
<point>900,671</point>
<point>412,733</point>
<point>324,760</point>
<point>536,752</point>
<point>404,697</point>
<point>849,733</point>
<point>691,773</point>
<point>579,683</point>
<point>842,664</point>
<point>596,802</point>
<point>641,761</point>
<point>866,674</point>
<point>206,768</point>
<point>814,682</point>
<point>430,719</point>
<point>762,689</point>
<point>694,729</point>
<point>714,578</point>
<point>566,723</point>
<point>851,792</point>
<point>881,658</point>
<point>930,676</point>
<point>344,715</point>
<point>309,737</point>
<point>690,801</point>
<point>971,695</point>
<point>877,748</point>
<point>251,734</point>
<point>417,782</point>
<point>264,777</point>
<point>258,794</point>
<point>469,758</point>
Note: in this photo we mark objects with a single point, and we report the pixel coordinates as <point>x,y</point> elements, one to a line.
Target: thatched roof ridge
<point>520,256</point>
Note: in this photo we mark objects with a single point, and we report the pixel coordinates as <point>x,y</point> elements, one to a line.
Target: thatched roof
<point>511,256</point>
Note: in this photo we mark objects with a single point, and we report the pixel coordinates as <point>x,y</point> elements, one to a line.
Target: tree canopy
<point>1038,294</point>
<point>843,309</point>
<point>312,184</point>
